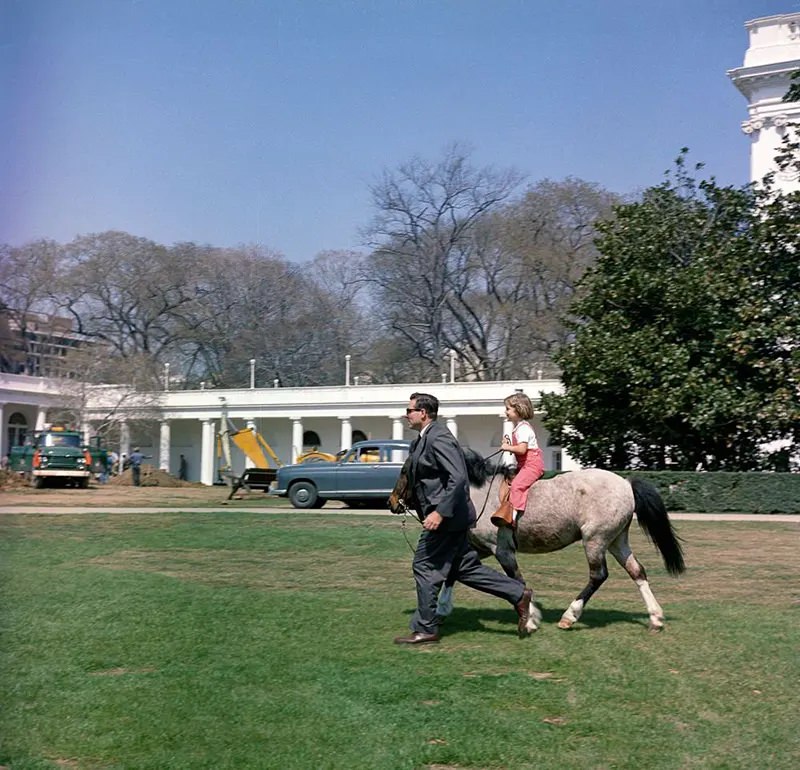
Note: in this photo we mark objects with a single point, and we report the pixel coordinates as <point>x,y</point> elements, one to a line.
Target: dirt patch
<point>121,496</point>
<point>151,477</point>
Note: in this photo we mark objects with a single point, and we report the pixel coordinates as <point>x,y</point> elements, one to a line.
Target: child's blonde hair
<point>522,405</point>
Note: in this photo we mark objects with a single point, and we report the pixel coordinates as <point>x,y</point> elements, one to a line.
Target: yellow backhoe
<point>256,449</point>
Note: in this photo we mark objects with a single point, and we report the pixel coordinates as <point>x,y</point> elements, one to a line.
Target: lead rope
<point>491,481</point>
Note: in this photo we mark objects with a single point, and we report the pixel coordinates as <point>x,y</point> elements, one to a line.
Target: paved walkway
<point>793,518</point>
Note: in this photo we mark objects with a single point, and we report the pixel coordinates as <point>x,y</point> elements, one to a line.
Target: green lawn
<point>250,640</point>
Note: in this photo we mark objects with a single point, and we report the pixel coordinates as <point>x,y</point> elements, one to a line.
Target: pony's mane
<point>479,470</point>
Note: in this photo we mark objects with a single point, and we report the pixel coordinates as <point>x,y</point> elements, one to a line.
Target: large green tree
<point>687,350</point>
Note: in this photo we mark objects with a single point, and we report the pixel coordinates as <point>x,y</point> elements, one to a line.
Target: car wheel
<point>38,482</point>
<point>303,494</point>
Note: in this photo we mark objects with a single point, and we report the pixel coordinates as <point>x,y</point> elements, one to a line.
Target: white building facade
<point>291,420</point>
<point>771,58</point>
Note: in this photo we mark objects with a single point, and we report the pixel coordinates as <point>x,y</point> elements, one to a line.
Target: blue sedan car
<point>364,475</point>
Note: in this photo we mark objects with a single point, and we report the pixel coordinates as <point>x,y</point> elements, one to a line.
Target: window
<point>17,429</point>
<point>358,435</point>
<point>311,439</point>
<point>61,439</point>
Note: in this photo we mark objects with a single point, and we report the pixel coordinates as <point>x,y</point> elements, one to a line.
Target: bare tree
<point>127,292</point>
<point>459,264</point>
<point>536,251</point>
<point>423,265</point>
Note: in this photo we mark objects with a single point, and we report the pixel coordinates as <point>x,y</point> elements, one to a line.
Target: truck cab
<point>54,454</point>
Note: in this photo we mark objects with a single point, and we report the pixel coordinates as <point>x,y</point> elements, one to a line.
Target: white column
<point>397,428</point>
<point>568,463</point>
<point>3,432</point>
<point>452,425</point>
<point>251,426</point>
<point>86,431</point>
<point>41,418</point>
<point>507,458</point>
<point>346,440</point>
<point>124,439</point>
<point>297,438</point>
<point>164,446</point>
<point>207,453</point>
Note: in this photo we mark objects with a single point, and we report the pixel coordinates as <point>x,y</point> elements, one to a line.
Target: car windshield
<point>60,439</point>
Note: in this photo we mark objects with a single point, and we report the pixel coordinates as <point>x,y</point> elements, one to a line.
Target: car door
<point>387,469</point>
<point>359,473</point>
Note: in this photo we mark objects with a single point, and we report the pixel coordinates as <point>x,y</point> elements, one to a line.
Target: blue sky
<point>261,121</point>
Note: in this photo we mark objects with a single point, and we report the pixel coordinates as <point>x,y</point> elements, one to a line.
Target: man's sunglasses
<point>415,409</point>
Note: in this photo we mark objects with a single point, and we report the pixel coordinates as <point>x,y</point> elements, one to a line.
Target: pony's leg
<point>598,572</point>
<point>444,605</point>
<point>621,551</point>
<point>506,553</point>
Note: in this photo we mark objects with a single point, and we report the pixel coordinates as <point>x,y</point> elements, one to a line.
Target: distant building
<point>764,79</point>
<point>37,344</point>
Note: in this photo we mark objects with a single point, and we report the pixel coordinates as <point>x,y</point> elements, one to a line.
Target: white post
<point>41,418</point>
<point>276,383</point>
<point>252,373</point>
<point>164,446</point>
<point>452,366</point>
<point>297,438</point>
<point>207,453</point>
<point>346,434</point>
<point>124,439</point>
<point>347,370</point>
<point>507,458</point>
<point>452,425</point>
<point>3,432</point>
<point>166,376</point>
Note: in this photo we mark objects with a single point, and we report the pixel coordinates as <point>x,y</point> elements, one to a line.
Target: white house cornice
<point>768,77</point>
<point>331,401</point>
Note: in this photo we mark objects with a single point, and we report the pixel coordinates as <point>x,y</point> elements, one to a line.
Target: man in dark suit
<point>440,492</point>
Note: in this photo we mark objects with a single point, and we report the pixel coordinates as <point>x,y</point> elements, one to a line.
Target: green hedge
<point>725,492</point>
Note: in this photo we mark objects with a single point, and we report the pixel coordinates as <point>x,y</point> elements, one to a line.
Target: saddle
<point>504,515</point>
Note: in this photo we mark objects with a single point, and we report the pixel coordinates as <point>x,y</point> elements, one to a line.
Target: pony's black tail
<point>651,513</point>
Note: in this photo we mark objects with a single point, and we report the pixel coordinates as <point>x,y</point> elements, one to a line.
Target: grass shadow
<point>480,619</point>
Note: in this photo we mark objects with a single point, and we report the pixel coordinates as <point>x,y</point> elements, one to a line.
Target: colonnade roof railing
<point>456,398</point>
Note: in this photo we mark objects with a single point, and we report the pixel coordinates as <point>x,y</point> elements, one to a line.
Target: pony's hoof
<point>565,624</point>
<point>656,623</point>
<point>535,619</point>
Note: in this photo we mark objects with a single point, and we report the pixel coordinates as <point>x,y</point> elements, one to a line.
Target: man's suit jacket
<point>438,477</point>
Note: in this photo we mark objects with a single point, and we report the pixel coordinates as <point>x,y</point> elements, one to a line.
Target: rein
<point>491,481</point>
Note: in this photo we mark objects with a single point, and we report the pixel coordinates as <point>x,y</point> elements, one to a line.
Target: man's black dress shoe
<point>418,637</point>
